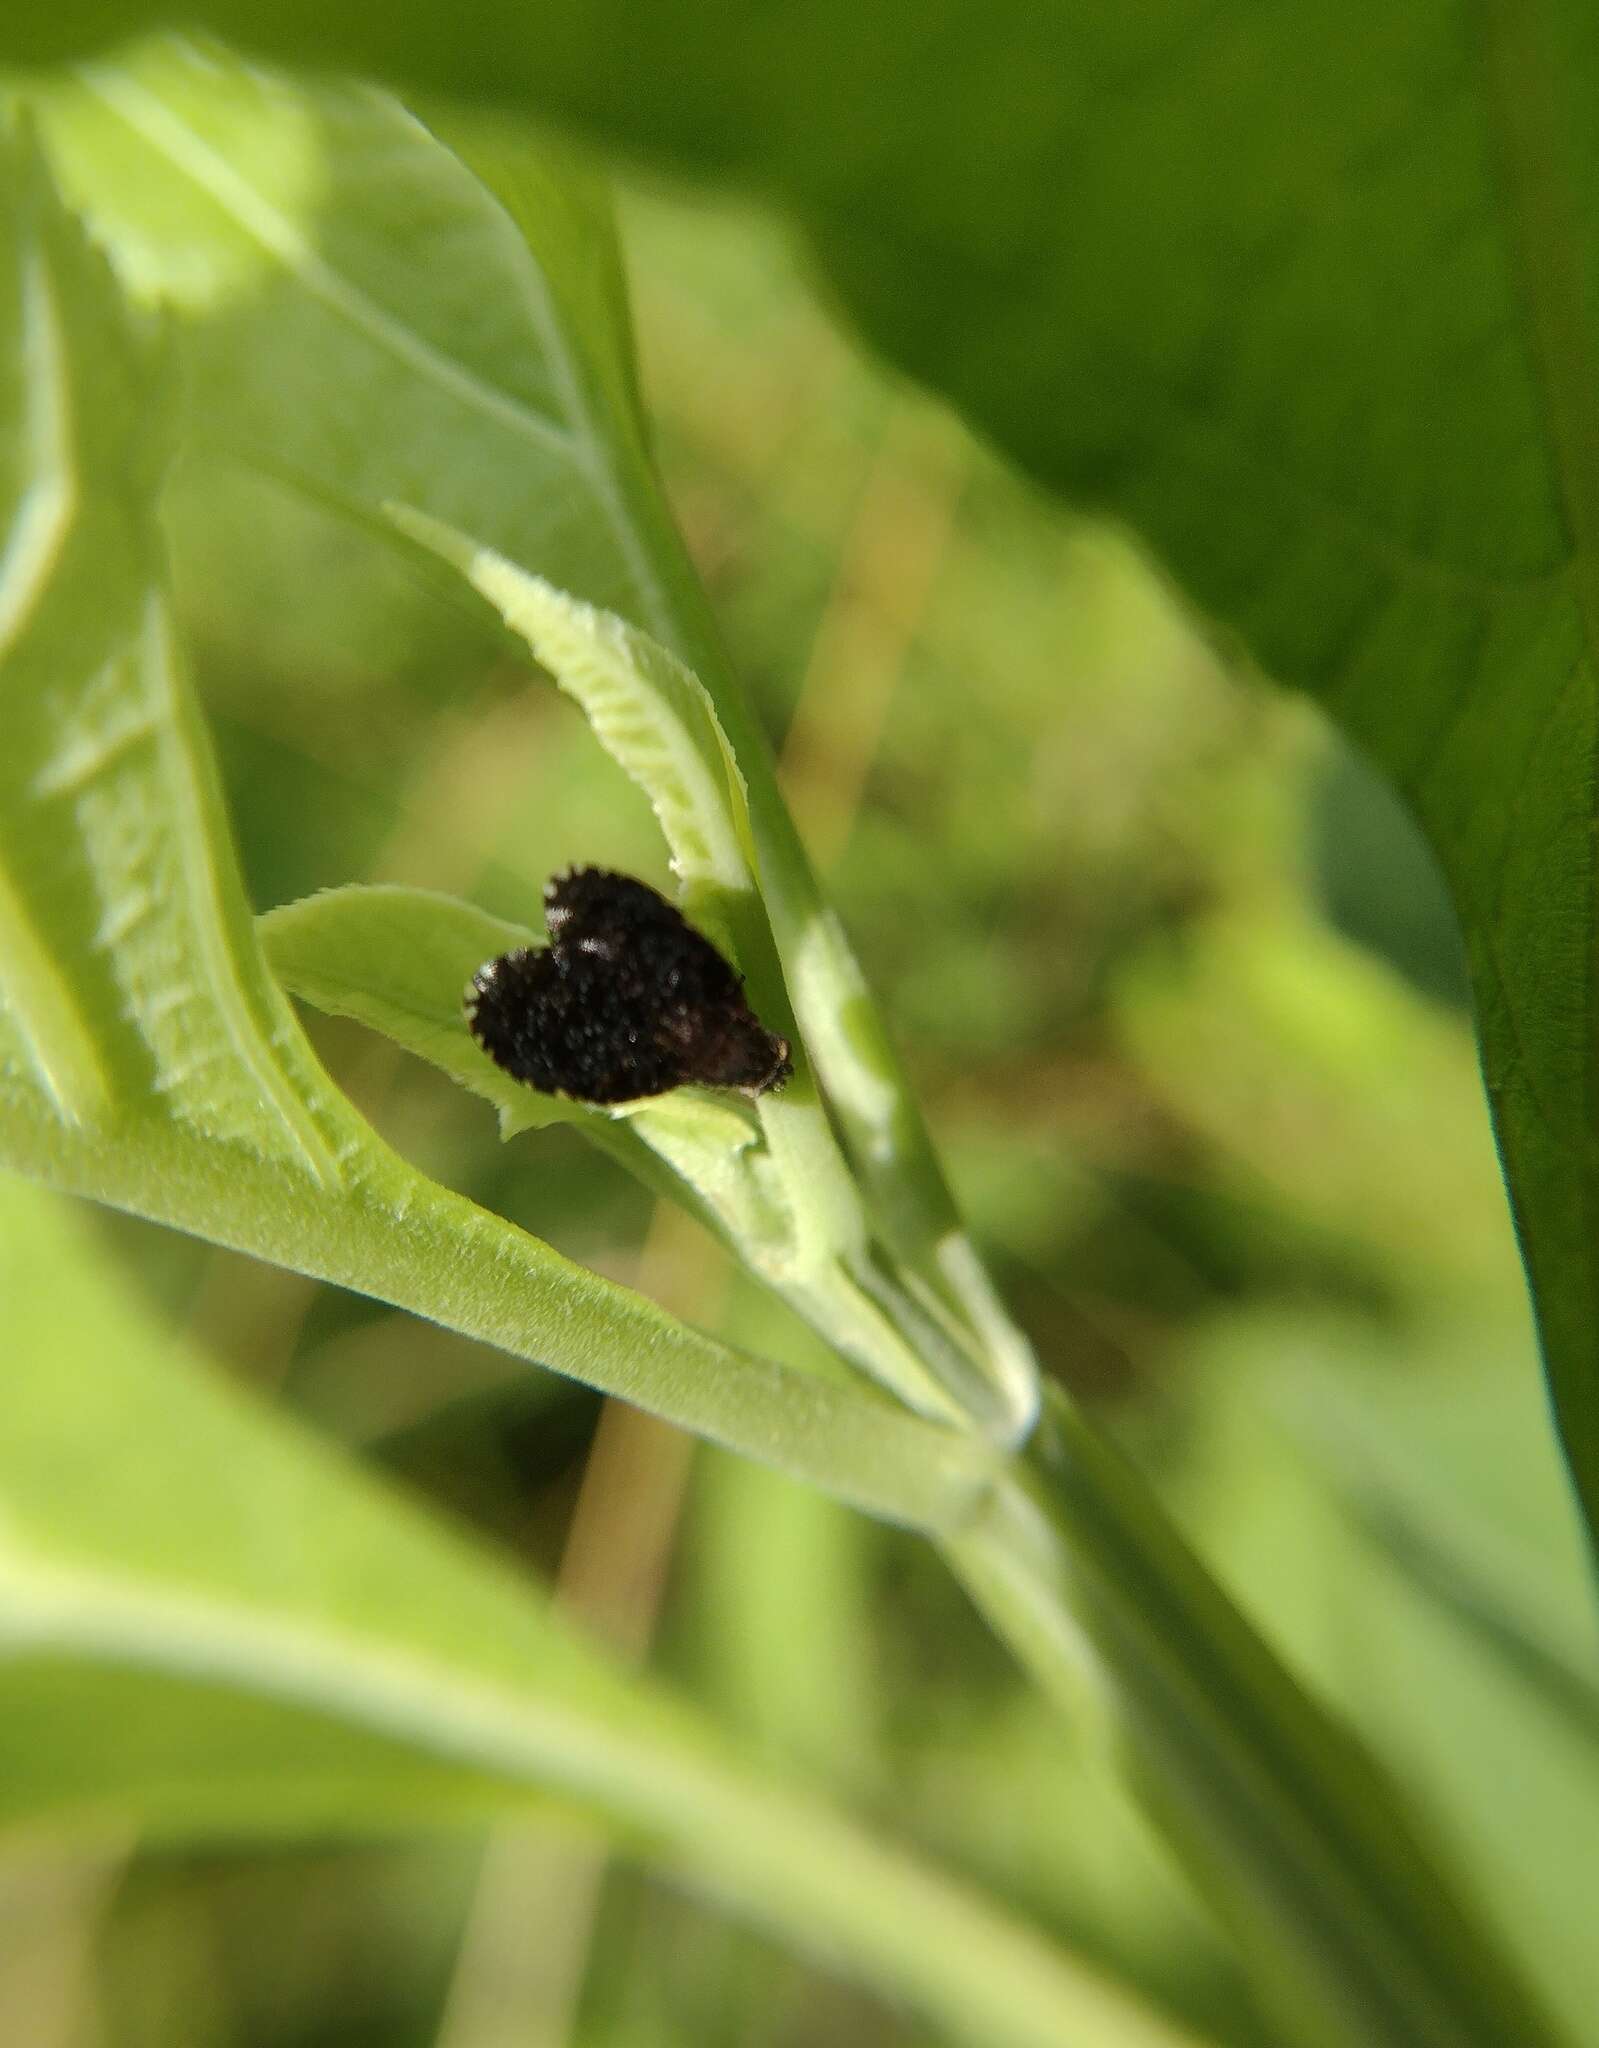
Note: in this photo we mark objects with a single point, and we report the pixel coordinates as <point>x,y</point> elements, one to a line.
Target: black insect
<point>626,1000</point>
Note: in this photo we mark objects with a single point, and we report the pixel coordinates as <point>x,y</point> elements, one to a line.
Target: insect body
<point>627,1000</point>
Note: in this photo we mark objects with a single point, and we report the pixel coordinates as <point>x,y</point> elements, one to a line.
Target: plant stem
<point>1355,1935</point>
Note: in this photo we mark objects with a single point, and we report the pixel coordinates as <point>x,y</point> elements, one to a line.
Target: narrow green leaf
<point>237,1631</point>
<point>652,715</point>
<point>791,1205</point>
<point>188,1092</point>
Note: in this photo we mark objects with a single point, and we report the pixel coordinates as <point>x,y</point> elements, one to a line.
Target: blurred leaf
<point>148,1057</point>
<point>1505,1611</point>
<point>235,1631</point>
<point>1516,1593</point>
<point>1376,878</point>
<point>1306,1416</point>
<point>1319,1078</point>
<point>1305,295</point>
<point>327,228</point>
<point>787,1641</point>
<point>1272,1798</point>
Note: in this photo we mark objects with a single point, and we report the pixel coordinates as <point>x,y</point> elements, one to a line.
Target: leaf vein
<point>157,125</point>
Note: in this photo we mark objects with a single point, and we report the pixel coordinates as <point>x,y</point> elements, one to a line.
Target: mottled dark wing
<point>701,1019</point>
<point>505,1006</point>
<point>627,1001</point>
<point>602,911</point>
<point>564,1023</point>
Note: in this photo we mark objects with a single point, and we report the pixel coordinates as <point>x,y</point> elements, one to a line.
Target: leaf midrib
<point>642,1761</point>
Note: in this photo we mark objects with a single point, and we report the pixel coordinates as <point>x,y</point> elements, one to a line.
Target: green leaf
<point>1502,1610</point>
<point>789,1205</point>
<point>1304,295</point>
<point>130,979</point>
<point>147,1057</point>
<point>1444,1687</point>
<point>238,1632</point>
<point>650,713</point>
<point>396,959</point>
<point>366,322</point>
<point>399,961</point>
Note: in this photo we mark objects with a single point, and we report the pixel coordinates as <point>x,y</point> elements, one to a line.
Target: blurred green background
<point>1184,1001</point>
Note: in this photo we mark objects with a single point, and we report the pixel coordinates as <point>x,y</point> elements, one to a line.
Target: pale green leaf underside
<point>398,960</point>
<point>123,980</point>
